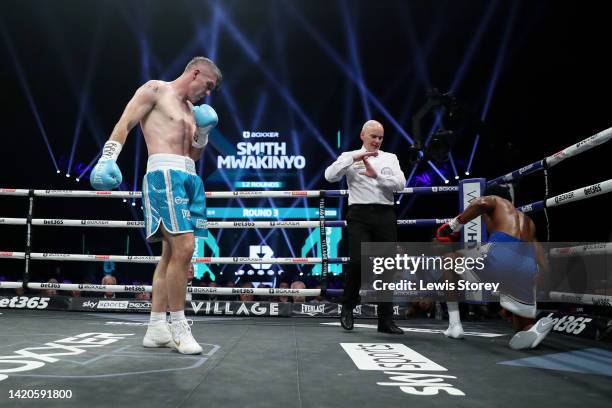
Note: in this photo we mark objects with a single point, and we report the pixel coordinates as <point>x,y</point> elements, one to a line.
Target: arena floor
<point>291,362</point>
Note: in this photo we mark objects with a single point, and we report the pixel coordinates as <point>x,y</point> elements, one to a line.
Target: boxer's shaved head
<point>372,126</point>
<point>372,134</point>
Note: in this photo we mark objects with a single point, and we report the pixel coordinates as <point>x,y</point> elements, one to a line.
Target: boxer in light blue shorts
<point>173,195</point>
<point>176,131</point>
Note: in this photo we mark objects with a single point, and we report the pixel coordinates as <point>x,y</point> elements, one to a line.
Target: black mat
<point>297,362</point>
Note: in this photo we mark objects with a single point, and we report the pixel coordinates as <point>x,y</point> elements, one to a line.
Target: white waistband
<point>164,161</point>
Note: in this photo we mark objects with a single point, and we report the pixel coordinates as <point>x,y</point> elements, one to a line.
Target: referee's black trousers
<point>367,223</point>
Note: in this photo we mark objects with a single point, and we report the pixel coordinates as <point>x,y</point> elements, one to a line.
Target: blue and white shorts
<point>173,195</point>
<point>511,263</point>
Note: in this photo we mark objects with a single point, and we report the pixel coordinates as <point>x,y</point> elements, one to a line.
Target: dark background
<point>300,67</point>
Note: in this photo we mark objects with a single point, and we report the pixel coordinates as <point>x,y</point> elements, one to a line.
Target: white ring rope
<point>602,248</point>
<point>570,196</point>
<point>581,298</point>
<point>550,161</point>
<point>11,285</point>
<point>580,147</point>
<point>140,224</point>
<point>580,193</point>
<point>154,259</point>
<point>59,222</point>
<point>592,299</point>
<point>149,288</point>
<point>215,194</point>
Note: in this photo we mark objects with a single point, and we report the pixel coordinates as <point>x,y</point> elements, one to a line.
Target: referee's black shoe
<point>346,317</point>
<point>388,326</point>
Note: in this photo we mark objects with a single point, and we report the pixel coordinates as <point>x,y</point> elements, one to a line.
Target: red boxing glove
<point>445,233</point>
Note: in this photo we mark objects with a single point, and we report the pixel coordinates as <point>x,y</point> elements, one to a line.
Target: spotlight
<point>270,272</point>
<point>250,272</point>
<point>456,177</point>
<point>67,174</point>
<point>220,273</point>
<point>134,203</point>
<point>260,272</point>
<point>124,200</point>
<point>58,172</point>
<point>446,181</point>
<point>77,179</point>
<point>467,173</point>
<point>397,202</point>
<point>301,273</point>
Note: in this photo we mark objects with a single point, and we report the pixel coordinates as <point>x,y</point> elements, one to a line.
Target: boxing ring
<point>252,358</point>
<point>578,194</point>
<point>30,221</point>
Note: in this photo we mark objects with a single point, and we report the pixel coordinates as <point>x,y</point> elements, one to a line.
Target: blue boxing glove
<point>106,174</point>
<point>205,119</point>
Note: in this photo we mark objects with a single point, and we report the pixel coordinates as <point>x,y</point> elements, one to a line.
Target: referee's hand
<point>362,155</point>
<point>370,172</point>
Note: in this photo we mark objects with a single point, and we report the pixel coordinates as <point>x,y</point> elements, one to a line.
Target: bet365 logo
<point>25,302</point>
<point>570,324</point>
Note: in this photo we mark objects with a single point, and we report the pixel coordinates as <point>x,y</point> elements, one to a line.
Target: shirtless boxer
<point>176,132</point>
<point>507,228</point>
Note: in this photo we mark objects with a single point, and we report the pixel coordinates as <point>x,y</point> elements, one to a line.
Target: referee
<point>372,176</point>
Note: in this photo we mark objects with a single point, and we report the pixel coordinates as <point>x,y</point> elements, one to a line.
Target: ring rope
<point>60,222</point>
<point>149,288</point>
<point>216,194</point>
<point>578,194</point>
<point>603,248</point>
<point>553,160</point>
<point>236,260</point>
<point>581,298</point>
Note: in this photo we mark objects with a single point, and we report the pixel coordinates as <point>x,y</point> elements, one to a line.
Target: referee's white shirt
<point>367,190</point>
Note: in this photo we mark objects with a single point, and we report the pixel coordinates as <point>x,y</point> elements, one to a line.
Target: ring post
<point>474,232</point>
<point>28,246</point>
<point>323,239</point>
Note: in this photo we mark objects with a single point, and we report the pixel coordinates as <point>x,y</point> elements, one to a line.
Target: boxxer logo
<point>94,222</point>
<point>563,197</point>
<point>253,135</point>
